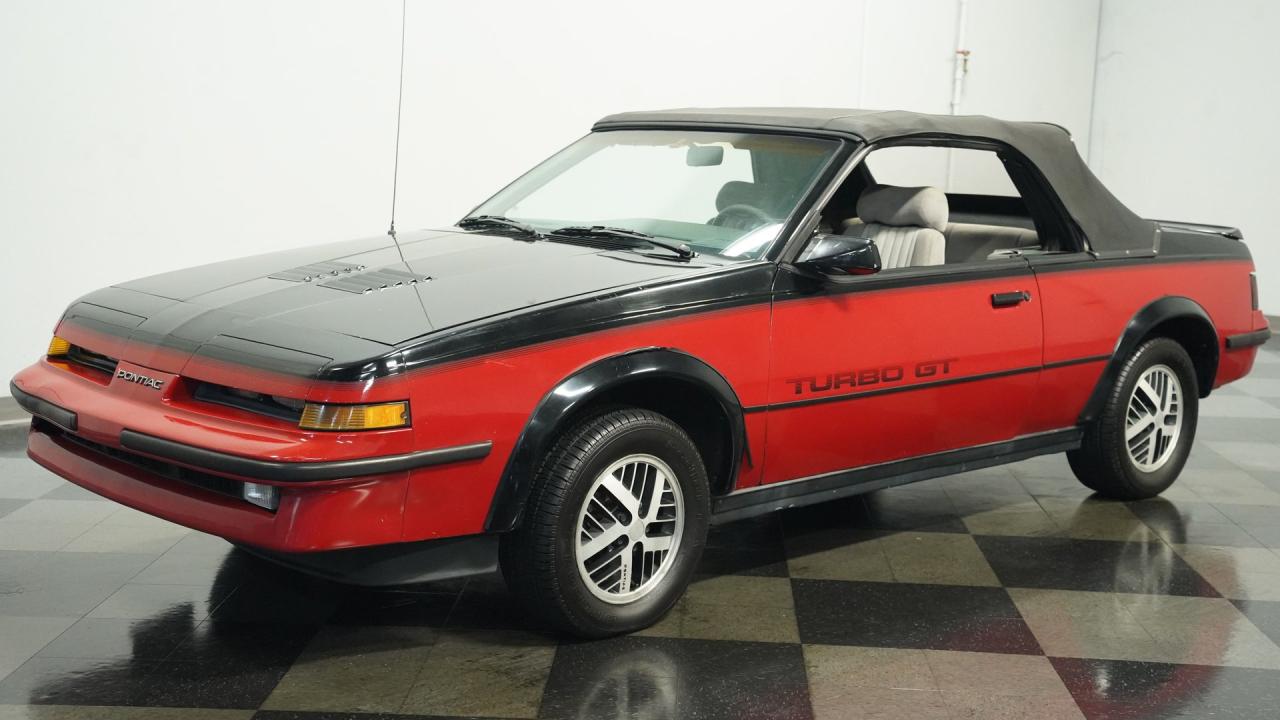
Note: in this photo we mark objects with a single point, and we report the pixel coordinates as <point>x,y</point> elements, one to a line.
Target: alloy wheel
<point>1154,418</point>
<point>629,528</point>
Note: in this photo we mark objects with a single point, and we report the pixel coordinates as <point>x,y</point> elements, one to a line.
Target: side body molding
<point>576,392</point>
<point>1190,315</point>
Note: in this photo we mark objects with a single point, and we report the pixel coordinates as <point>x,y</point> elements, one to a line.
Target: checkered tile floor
<point>1004,593</point>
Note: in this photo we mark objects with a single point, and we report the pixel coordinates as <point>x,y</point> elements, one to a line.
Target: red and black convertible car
<point>684,318</point>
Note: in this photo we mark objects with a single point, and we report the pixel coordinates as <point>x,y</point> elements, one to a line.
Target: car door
<point>901,364</point>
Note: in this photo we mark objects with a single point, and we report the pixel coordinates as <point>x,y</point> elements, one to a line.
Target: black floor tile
<point>762,531</point>
<point>875,512</point>
<point>635,677</point>
<point>1120,689</point>
<point>1095,565</point>
<point>746,547</point>
<point>265,644</point>
<point>907,510</point>
<point>268,593</point>
<point>226,665</point>
<point>368,607</point>
<point>940,617</point>
<point>756,561</point>
<point>485,603</point>
<point>209,685</point>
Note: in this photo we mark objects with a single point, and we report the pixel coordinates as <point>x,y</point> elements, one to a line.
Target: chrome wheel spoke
<point>606,538</point>
<point>620,492</point>
<point>1142,426</point>
<point>661,543</point>
<point>1149,393</point>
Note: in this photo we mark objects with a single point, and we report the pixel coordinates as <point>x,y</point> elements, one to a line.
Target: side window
<point>956,171</point>
<point>933,205</point>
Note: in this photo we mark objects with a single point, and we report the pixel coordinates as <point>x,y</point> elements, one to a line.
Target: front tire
<point>1137,446</point>
<point>615,525</point>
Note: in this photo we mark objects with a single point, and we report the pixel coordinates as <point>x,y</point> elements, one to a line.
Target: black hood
<point>350,301</point>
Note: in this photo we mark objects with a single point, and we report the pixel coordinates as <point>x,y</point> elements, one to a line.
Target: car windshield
<point>717,192</point>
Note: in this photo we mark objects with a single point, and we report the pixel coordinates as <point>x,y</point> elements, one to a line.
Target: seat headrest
<point>904,206</point>
<point>738,192</point>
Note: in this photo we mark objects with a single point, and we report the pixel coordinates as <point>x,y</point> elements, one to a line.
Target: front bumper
<point>167,457</point>
<point>367,512</point>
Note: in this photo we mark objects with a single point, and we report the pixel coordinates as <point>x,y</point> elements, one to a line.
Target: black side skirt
<point>1248,340</point>
<point>855,481</point>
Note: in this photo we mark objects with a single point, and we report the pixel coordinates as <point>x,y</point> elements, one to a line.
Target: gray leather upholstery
<point>924,207</point>
<point>910,227</point>
<point>905,224</point>
<point>969,242</point>
<point>974,243</point>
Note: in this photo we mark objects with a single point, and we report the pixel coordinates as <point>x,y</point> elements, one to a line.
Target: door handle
<point>1009,299</point>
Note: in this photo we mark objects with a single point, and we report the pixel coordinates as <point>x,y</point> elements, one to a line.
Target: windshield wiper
<point>476,222</point>
<point>601,231</point>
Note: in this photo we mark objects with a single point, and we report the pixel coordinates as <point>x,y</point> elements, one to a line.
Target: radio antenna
<point>395,172</point>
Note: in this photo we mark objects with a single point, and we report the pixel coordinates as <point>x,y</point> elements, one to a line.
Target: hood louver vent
<point>350,278</point>
<point>366,282</point>
<point>316,271</point>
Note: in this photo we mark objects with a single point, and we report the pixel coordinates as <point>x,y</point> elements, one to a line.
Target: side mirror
<point>839,256</point>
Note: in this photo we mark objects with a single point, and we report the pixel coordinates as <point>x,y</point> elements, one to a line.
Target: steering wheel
<point>741,217</point>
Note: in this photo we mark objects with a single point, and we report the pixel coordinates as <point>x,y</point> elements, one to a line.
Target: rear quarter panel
<point>1086,310</point>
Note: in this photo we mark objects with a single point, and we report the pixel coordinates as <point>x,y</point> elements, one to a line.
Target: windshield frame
<point>842,147</point>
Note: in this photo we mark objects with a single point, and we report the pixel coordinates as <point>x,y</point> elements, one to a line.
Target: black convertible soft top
<point>1110,226</point>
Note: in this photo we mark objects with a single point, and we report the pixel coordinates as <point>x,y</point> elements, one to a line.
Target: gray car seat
<point>905,223</point>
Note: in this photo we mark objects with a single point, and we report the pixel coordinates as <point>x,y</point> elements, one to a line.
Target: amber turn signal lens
<point>58,347</point>
<point>316,416</point>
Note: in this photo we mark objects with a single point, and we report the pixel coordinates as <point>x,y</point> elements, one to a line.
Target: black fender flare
<point>576,391</point>
<point>1170,307</point>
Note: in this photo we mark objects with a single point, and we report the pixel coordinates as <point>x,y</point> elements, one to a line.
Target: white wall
<point>1184,121</point>
<point>144,135</point>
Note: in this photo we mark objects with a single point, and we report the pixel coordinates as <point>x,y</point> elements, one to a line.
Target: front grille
<point>91,360</point>
<point>195,478</point>
<point>260,403</point>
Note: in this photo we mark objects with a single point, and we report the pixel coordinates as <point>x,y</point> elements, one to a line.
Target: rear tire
<point>1137,446</point>
<point>614,527</point>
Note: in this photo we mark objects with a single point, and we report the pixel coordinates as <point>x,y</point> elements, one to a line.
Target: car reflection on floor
<point>263,617</point>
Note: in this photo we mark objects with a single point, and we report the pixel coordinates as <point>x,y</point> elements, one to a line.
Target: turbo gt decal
<point>868,376</point>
